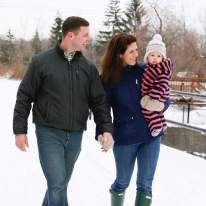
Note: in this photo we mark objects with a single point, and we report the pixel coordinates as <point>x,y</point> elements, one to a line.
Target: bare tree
<point>183,44</point>
<point>155,16</point>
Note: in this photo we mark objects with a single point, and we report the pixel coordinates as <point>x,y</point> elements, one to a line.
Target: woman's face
<point>130,55</point>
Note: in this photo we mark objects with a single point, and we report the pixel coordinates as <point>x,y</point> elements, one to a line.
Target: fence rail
<point>187,101</point>
<point>188,84</point>
<point>190,94</point>
<point>188,126</point>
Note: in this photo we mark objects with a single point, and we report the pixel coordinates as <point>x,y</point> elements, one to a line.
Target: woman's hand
<point>106,141</point>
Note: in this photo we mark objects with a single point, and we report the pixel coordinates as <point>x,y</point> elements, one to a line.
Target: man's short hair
<point>73,23</point>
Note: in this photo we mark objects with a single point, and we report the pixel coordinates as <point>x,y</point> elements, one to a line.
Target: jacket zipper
<point>70,96</point>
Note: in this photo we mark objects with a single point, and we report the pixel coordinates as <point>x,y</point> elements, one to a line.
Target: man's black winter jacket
<point>62,93</point>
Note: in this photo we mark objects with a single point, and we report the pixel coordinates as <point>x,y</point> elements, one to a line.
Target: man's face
<point>80,39</point>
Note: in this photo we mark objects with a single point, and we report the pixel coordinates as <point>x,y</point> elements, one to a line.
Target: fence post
<point>188,113</point>
<point>183,114</point>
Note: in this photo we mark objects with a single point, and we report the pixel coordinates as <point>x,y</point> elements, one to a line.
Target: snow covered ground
<point>197,115</point>
<point>180,177</point>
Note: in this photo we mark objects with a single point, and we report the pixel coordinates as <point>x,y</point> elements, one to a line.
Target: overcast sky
<point>23,17</point>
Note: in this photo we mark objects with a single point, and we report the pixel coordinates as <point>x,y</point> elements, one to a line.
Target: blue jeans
<point>58,152</point>
<point>125,156</point>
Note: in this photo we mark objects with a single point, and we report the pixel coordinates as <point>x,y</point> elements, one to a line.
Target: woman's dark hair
<point>112,65</point>
<point>73,23</point>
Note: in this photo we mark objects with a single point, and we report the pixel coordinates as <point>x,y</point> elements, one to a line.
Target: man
<point>62,85</point>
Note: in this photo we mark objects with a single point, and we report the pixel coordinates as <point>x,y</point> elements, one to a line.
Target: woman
<point>122,77</point>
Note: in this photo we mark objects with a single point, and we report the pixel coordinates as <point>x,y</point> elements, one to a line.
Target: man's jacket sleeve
<point>98,105</point>
<point>25,96</point>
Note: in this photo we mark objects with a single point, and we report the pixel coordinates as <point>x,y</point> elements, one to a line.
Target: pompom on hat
<point>155,45</point>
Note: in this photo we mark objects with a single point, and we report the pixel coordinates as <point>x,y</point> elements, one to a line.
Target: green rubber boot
<point>142,199</point>
<point>117,199</point>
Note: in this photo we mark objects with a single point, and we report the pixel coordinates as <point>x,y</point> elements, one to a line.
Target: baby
<point>155,85</point>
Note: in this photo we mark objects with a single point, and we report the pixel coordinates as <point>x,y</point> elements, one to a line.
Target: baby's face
<point>154,58</point>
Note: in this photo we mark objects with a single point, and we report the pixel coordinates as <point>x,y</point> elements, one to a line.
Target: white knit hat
<point>155,45</point>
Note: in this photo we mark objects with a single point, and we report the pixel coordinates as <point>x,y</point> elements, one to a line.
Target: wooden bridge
<point>188,84</point>
<point>188,92</point>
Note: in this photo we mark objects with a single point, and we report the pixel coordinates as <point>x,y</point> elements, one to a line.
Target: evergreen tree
<point>56,32</point>
<point>133,16</point>
<point>36,43</point>
<point>8,49</point>
<point>113,23</point>
<point>136,23</point>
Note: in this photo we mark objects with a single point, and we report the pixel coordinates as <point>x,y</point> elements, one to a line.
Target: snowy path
<point>180,177</point>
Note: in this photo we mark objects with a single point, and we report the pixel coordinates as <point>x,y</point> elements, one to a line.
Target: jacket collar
<point>60,51</point>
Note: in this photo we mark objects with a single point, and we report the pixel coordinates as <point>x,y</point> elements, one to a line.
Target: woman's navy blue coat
<point>124,98</point>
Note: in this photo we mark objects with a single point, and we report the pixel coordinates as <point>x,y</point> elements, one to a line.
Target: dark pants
<point>146,156</point>
<point>58,152</point>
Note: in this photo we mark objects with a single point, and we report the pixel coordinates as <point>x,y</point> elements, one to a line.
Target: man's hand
<point>22,142</point>
<point>106,141</point>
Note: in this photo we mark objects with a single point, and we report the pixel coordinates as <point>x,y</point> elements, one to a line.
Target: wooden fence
<point>188,84</point>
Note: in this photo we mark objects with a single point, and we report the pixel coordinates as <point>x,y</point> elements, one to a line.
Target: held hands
<point>21,142</point>
<point>106,141</point>
<point>151,104</point>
